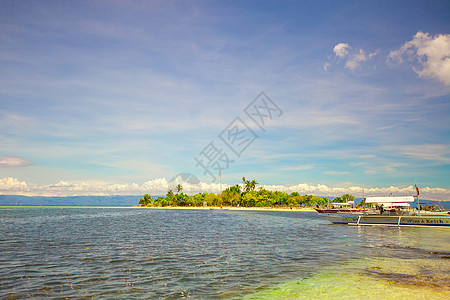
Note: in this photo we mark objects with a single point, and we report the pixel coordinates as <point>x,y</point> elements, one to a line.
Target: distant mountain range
<point>103,200</point>
<point>74,200</point>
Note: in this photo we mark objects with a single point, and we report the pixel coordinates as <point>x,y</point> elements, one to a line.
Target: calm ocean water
<point>105,253</point>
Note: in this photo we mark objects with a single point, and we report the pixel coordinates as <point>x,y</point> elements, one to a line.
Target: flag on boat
<point>417,189</point>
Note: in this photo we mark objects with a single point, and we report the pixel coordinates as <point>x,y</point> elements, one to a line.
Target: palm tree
<point>179,188</point>
<point>146,201</point>
<point>253,184</point>
<point>250,185</point>
<point>235,189</point>
<point>169,194</point>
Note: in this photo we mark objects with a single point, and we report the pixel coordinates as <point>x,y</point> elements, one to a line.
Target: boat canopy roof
<point>395,204</point>
<point>341,203</point>
<point>391,200</point>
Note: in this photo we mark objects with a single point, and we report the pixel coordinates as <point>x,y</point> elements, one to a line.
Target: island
<point>245,195</point>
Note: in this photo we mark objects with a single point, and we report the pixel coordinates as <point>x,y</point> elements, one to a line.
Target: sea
<point>136,253</point>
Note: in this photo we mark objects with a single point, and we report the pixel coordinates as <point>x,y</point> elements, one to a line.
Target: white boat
<point>391,211</point>
<point>338,207</point>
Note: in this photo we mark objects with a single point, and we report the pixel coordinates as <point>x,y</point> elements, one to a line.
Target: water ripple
<point>140,253</point>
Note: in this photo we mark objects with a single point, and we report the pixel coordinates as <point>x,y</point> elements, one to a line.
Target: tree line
<point>246,196</point>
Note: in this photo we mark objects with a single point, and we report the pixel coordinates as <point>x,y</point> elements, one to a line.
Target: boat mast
<point>417,196</point>
<point>364,198</point>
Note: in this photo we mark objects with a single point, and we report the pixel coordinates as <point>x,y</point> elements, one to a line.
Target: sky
<point>319,97</point>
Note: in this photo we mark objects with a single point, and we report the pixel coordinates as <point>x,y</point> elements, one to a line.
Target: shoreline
<point>228,208</point>
<point>224,208</point>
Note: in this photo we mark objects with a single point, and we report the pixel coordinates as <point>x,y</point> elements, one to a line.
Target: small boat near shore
<point>390,211</point>
<point>341,208</point>
<point>381,220</point>
<point>340,211</point>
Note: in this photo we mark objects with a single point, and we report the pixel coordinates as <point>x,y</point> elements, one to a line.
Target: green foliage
<point>338,200</point>
<point>179,188</point>
<point>363,203</point>
<point>146,200</point>
<point>181,199</point>
<point>348,197</point>
<point>231,196</point>
<point>323,201</point>
<point>234,196</point>
<point>344,198</point>
<point>249,199</point>
<point>249,185</point>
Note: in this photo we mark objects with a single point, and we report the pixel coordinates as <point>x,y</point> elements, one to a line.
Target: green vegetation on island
<point>246,195</point>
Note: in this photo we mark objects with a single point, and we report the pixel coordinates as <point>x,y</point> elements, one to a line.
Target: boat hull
<point>420,221</point>
<point>339,211</point>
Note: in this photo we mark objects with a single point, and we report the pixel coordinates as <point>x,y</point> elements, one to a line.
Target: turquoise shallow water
<point>143,253</point>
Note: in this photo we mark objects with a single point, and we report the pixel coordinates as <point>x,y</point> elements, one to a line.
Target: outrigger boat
<point>340,208</point>
<point>391,211</point>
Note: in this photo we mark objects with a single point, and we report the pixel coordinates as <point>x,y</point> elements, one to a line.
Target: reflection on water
<point>144,253</point>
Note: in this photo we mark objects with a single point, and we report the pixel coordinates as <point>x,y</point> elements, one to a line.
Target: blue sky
<point>118,97</point>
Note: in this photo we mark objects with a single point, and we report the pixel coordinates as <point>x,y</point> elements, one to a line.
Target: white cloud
<point>159,186</point>
<point>12,184</point>
<point>434,152</point>
<point>13,161</point>
<point>373,54</point>
<point>354,58</point>
<point>323,190</point>
<point>432,53</point>
<point>342,49</point>
<point>383,169</point>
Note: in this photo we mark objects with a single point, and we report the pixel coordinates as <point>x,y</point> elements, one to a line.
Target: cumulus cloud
<point>353,58</point>
<point>342,49</point>
<point>324,190</point>
<point>12,185</point>
<point>432,54</point>
<point>159,186</point>
<point>13,161</point>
